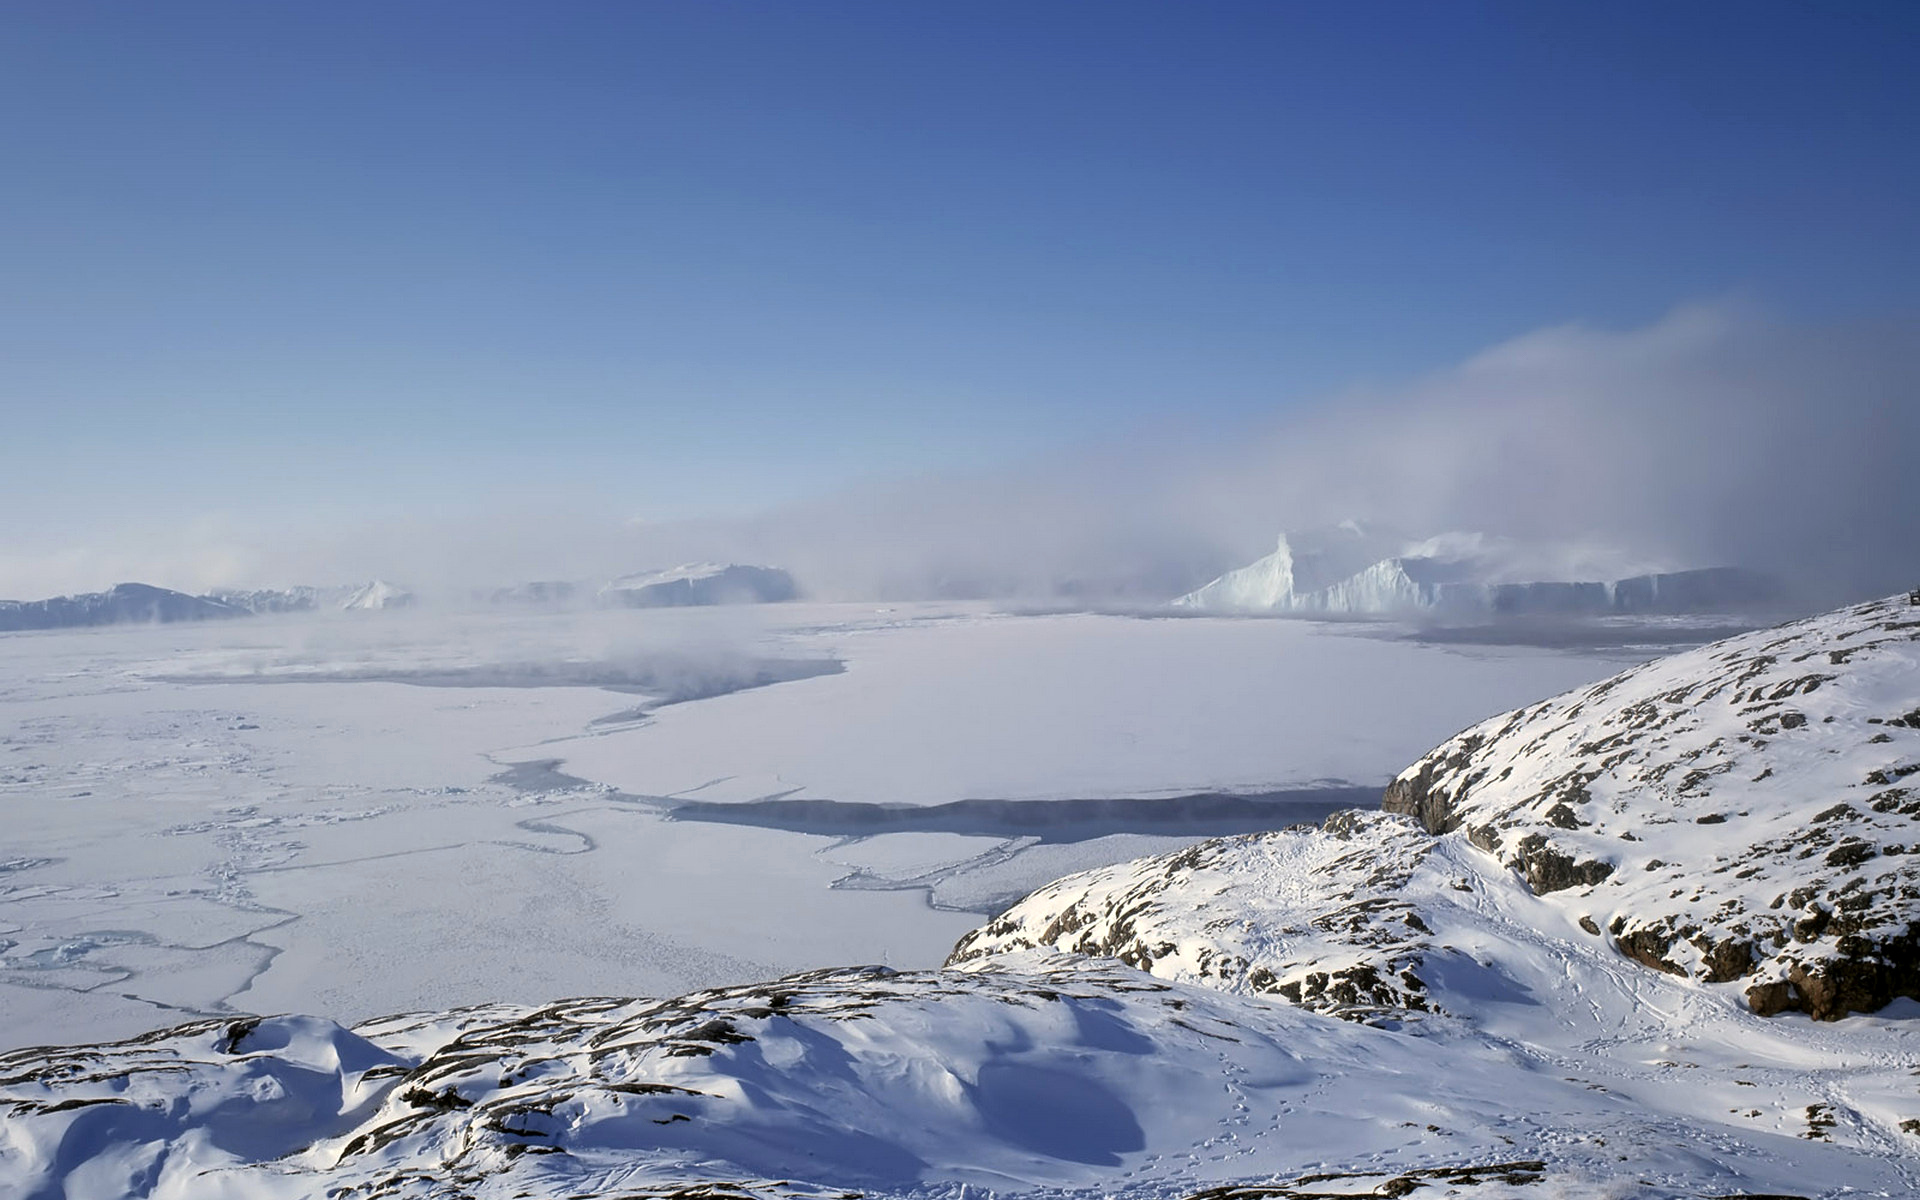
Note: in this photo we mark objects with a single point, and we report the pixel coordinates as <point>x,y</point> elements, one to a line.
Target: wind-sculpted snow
<point>1053,1076</point>
<point>1738,812</point>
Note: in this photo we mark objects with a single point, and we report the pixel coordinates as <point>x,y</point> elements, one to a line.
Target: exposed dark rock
<point>1547,869</point>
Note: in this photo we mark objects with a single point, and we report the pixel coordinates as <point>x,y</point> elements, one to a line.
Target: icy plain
<point>358,814</point>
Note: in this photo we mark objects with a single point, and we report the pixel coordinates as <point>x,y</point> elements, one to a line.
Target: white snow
<point>258,815</point>
<point>223,819</point>
<point>962,703</point>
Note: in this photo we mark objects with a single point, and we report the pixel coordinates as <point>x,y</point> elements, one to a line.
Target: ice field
<point>359,814</point>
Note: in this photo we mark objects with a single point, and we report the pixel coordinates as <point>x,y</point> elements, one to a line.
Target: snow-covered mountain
<point>1352,571</point>
<point>124,603</point>
<point>701,583</point>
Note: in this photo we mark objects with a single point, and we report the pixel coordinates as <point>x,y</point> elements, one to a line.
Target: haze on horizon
<point>898,297</point>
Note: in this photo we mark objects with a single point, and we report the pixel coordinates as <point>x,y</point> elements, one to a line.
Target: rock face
<point>1742,811</point>
<point>125,603</point>
<point>701,583</point>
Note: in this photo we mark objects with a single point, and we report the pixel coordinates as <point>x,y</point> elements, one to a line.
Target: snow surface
<point>1044,1075</point>
<point>966,703</point>
<point>271,815</point>
<point>1361,1008</point>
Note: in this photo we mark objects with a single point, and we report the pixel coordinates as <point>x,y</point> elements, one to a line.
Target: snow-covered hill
<point>701,583</point>
<point>1353,572</point>
<point>1735,815</point>
<point>1050,1076</point>
<point>1737,812</point>
<point>1335,917</point>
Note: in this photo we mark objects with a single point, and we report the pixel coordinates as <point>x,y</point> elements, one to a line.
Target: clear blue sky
<point>671,258</point>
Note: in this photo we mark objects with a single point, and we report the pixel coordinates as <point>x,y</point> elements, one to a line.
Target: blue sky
<point>291,262</point>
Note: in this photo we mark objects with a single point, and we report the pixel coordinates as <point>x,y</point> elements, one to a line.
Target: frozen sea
<point>361,814</point>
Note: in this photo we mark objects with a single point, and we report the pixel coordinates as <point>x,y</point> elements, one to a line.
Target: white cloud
<point>1715,435</point>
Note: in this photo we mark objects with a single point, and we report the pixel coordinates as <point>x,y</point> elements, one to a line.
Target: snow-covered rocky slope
<point>1735,814</point>
<point>1353,572</point>
<point>701,583</point>
<point>1052,1075</point>
<point>1336,917</point>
